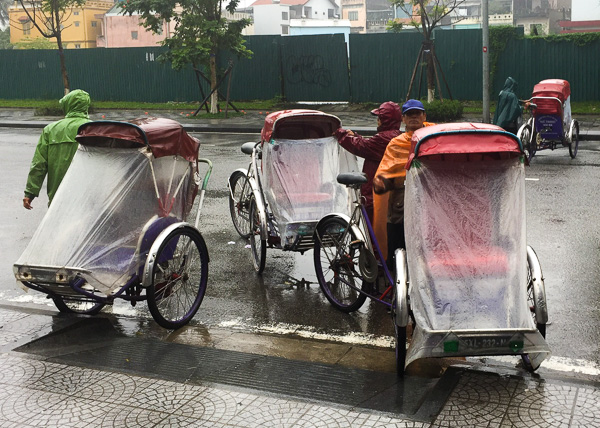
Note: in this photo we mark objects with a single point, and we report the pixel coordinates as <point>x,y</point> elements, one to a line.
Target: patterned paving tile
<point>470,413</point>
<point>535,417</point>
<point>587,404</point>
<point>551,397</point>
<point>267,412</point>
<point>8,316</point>
<point>44,409</point>
<point>485,387</point>
<point>130,417</point>
<point>217,405</point>
<point>154,394</point>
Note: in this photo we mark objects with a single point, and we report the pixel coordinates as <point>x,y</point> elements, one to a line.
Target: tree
<point>48,17</point>
<point>4,4</point>
<point>201,31</point>
<point>5,39</point>
<point>426,15</point>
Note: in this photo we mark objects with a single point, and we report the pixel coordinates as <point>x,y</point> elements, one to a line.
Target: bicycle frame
<point>357,221</point>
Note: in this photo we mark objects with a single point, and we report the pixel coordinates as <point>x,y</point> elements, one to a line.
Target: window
<point>76,13</point>
<point>77,46</point>
<point>27,28</point>
<point>134,35</point>
<point>77,23</point>
<point>285,29</point>
<point>353,15</point>
<point>284,16</point>
<point>94,23</point>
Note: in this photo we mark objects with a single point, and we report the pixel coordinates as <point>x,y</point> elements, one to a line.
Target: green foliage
<point>37,43</point>
<point>499,37</point>
<point>394,26</point>
<point>578,39</point>
<point>5,39</point>
<point>200,31</point>
<point>443,111</point>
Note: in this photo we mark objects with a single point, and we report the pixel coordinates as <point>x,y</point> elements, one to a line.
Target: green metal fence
<point>309,68</point>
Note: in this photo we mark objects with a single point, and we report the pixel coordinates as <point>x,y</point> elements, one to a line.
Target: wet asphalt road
<point>563,218</point>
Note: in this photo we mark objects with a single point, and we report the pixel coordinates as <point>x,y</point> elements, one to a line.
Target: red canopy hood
<point>553,88</point>
<point>164,137</point>
<point>316,124</point>
<point>462,138</point>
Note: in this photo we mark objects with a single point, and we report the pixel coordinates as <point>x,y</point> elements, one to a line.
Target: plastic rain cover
<point>466,251</point>
<point>105,207</point>
<point>300,182</point>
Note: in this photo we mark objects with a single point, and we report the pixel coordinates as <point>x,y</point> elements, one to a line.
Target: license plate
<point>484,342</point>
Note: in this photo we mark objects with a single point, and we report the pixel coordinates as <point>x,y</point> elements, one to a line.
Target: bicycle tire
<point>179,278</point>
<point>337,265</point>
<point>239,203</point>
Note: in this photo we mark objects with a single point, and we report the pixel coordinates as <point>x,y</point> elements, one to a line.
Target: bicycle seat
<point>352,179</point>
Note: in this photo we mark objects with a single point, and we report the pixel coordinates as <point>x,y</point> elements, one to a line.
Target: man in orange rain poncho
<point>390,178</point>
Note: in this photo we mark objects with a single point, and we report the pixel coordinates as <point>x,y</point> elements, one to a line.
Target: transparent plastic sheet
<point>300,181</point>
<point>104,207</point>
<point>466,248</point>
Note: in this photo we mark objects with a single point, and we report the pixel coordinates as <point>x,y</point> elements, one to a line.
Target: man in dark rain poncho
<point>56,147</point>
<point>509,109</point>
<point>389,118</point>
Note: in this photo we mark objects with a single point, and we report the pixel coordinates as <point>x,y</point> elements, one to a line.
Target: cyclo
<point>550,123</point>
<point>116,228</point>
<point>467,280</point>
<point>289,184</point>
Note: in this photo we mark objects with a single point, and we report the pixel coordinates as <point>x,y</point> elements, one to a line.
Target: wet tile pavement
<point>36,390</point>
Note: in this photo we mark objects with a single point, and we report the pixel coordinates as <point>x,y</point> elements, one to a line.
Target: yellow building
<point>80,30</point>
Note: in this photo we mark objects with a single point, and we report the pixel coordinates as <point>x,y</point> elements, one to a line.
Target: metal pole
<point>485,31</point>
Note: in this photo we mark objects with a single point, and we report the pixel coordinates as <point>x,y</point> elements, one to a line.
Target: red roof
<point>461,138</point>
<point>571,24</point>
<point>287,2</point>
<point>164,137</point>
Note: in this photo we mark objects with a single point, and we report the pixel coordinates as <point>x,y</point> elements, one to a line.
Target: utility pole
<point>485,33</point>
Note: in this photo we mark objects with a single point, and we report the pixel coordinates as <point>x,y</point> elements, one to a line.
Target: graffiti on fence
<point>307,69</point>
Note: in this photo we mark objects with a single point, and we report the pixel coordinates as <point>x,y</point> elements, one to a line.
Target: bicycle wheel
<point>179,278</point>
<point>541,327</point>
<point>85,306</point>
<point>400,336</point>
<point>258,245</point>
<point>531,300</point>
<point>527,138</point>
<point>239,203</point>
<point>574,139</point>
<point>336,261</point>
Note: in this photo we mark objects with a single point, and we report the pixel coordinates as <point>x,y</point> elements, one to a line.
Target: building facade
<point>81,28</point>
<point>124,31</point>
<point>275,16</point>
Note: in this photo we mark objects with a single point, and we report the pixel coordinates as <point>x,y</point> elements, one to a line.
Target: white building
<point>275,16</point>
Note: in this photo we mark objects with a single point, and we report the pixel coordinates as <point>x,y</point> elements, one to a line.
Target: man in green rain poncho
<point>509,109</point>
<point>56,147</point>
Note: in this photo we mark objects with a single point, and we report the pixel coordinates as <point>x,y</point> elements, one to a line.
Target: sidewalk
<point>251,122</point>
<point>55,373</point>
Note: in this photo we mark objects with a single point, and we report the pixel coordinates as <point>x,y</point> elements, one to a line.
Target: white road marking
<point>532,179</point>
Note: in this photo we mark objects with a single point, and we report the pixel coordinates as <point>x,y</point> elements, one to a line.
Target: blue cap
<point>412,105</point>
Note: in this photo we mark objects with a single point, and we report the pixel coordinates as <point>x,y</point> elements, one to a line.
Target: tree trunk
<point>63,66</point>
<point>430,71</point>
<point>214,98</point>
